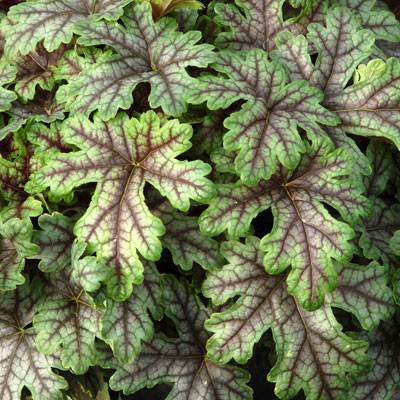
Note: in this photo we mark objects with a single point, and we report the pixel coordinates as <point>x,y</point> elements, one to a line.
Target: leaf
<point>144,51</point>
<point>367,72</point>
<point>121,156</point>
<point>15,246</point>
<point>380,383</point>
<point>7,75</point>
<point>313,354</point>
<point>368,108</point>
<point>53,21</point>
<point>21,365</point>
<point>55,241</point>
<point>265,132</point>
<point>304,236</point>
<point>67,323</point>
<point>185,241</point>
<point>181,361</point>
<point>127,324</point>
<point>252,24</point>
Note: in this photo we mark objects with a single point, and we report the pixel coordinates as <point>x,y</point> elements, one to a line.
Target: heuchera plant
<point>199,200</point>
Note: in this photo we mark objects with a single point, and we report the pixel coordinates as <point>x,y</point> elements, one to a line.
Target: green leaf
<point>163,7</point>
<point>185,241</point>
<point>144,51</point>
<point>55,240</point>
<point>304,236</point>
<point>127,324</point>
<point>313,354</point>
<point>67,323</point>
<point>380,383</point>
<point>265,132</point>
<point>367,72</point>
<point>181,361</point>
<point>121,156</point>
<point>21,365</point>
<point>53,21</point>
<point>15,246</point>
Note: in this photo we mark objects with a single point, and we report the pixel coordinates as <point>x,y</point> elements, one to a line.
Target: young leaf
<point>15,246</point>
<point>185,241</point>
<point>305,236</point>
<point>265,132</point>
<point>381,382</point>
<point>181,361</point>
<point>313,352</point>
<point>7,75</point>
<point>53,21</point>
<point>67,323</point>
<point>121,156</point>
<point>127,324</point>
<point>145,52</point>
<point>21,365</point>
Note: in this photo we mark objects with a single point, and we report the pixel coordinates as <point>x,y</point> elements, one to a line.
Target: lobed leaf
<point>121,155</point>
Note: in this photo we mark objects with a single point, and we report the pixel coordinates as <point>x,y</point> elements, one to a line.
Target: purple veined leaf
<point>21,364</point>
<point>121,155</point>
<point>182,361</point>
<point>366,108</point>
<point>164,7</point>
<point>313,353</point>
<point>305,235</point>
<point>53,21</point>
<point>265,132</point>
<point>143,51</point>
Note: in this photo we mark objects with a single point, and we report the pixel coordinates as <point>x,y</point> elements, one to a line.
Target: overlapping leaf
<point>53,21</point>
<point>121,156</point>
<point>380,383</point>
<point>67,323</point>
<point>145,52</point>
<point>181,361</point>
<point>15,246</point>
<point>367,108</point>
<point>21,365</point>
<point>305,236</point>
<point>313,352</point>
<point>265,132</point>
<point>125,325</point>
